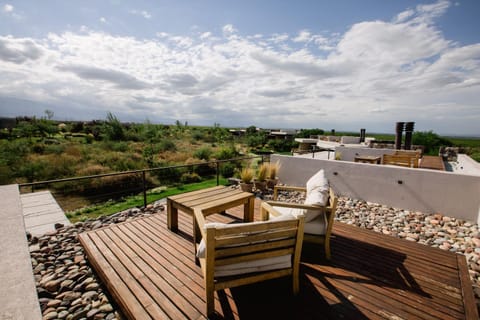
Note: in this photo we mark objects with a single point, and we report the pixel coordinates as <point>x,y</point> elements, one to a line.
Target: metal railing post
<point>144,189</point>
<point>218,173</point>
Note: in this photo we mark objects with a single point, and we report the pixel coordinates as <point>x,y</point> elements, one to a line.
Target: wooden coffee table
<point>211,200</point>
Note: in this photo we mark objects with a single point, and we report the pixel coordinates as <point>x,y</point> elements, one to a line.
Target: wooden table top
<point>210,197</point>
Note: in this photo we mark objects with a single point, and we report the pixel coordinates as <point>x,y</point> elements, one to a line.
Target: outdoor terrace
<point>151,272</point>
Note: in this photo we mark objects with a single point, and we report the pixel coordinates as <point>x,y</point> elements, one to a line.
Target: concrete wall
<point>18,294</point>
<point>429,191</point>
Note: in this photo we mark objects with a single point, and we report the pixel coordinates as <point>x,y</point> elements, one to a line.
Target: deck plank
<point>151,273</point>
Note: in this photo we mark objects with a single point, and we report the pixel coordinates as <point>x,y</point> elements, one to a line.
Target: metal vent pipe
<point>398,135</point>
<point>362,135</point>
<point>408,135</point>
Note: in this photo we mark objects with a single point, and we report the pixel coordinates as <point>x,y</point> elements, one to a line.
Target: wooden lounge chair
<point>232,255</point>
<point>319,216</point>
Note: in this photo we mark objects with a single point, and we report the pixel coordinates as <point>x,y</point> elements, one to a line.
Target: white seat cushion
<point>260,265</point>
<point>317,181</point>
<point>317,194</point>
<point>317,226</point>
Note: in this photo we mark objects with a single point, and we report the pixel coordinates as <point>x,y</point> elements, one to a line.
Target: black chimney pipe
<point>398,135</point>
<point>408,135</point>
<point>362,135</point>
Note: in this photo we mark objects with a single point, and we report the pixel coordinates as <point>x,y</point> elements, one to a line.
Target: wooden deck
<point>150,272</point>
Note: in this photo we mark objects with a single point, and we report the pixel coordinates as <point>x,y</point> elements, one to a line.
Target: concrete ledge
<point>18,294</point>
<point>41,212</point>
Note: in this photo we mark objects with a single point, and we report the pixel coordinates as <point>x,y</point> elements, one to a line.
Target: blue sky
<point>341,65</point>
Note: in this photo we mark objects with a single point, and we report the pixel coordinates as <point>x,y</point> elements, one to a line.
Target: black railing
<point>138,176</point>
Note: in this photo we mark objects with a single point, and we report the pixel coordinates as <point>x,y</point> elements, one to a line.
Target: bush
<point>203,153</point>
<point>89,138</point>
<point>203,168</point>
<point>55,149</point>
<point>197,135</point>
<point>227,169</point>
<point>166,145</point>
<point>226,153</point>
<point>38,148</point>
<point>430,140</point>
<point>113,128</point>
<point>168,175</point>
<point>190,178</point>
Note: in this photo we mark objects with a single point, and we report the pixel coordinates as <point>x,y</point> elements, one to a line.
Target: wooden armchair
<point>232,255</point>
<point>409,160</point>
<point>317,230</point>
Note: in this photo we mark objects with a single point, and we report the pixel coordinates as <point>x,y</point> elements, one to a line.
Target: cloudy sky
<point>343,64</point>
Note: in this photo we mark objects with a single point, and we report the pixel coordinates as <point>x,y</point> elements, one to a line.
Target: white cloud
<point>103,20</point>
<point>8,8</point>
<point>143,13</point>
<point>303,36</point>
<point>402,16</point>
<point>228,29</point>
<point>277,38</point>
<point>376,73</point>
<point>205,35</point>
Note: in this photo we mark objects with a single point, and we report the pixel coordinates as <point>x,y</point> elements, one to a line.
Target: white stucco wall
<point>429,191</point>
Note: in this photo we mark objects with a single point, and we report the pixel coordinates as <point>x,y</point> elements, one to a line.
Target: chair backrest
<point>404,160</point>
<point>248,242</point>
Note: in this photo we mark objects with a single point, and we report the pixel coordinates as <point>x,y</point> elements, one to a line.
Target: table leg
<point>248,210</point>
<point>172,216</point>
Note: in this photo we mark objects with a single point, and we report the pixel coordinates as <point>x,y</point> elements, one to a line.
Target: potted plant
<point>260,181</point>
<point>272,178</point>
<point>246,177</point>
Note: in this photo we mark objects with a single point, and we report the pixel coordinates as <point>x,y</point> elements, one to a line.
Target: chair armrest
<point>198,226</point>
<point>288,188</point>
<point>294,205</point>
<point>266,209</point>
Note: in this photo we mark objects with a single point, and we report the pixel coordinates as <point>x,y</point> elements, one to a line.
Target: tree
<point>113,128</point>
<point>252,130</point>
<point>430,140</point>
<point>306,133</point>
<point>49,114</point>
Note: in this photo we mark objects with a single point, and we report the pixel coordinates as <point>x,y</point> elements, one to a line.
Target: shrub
<point>197,135</point>
<point>113,128</point>
<point>227,169</point>
<point>166,145</point>
<point>190,178</point>
<point>430,140</point>
<point>89,138</point>
<point>226,153</point>
<point>167,175</point>
<point>203,153</point>
<point>202,168</point>
<point>55,148</point>
<point>38,148</point>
